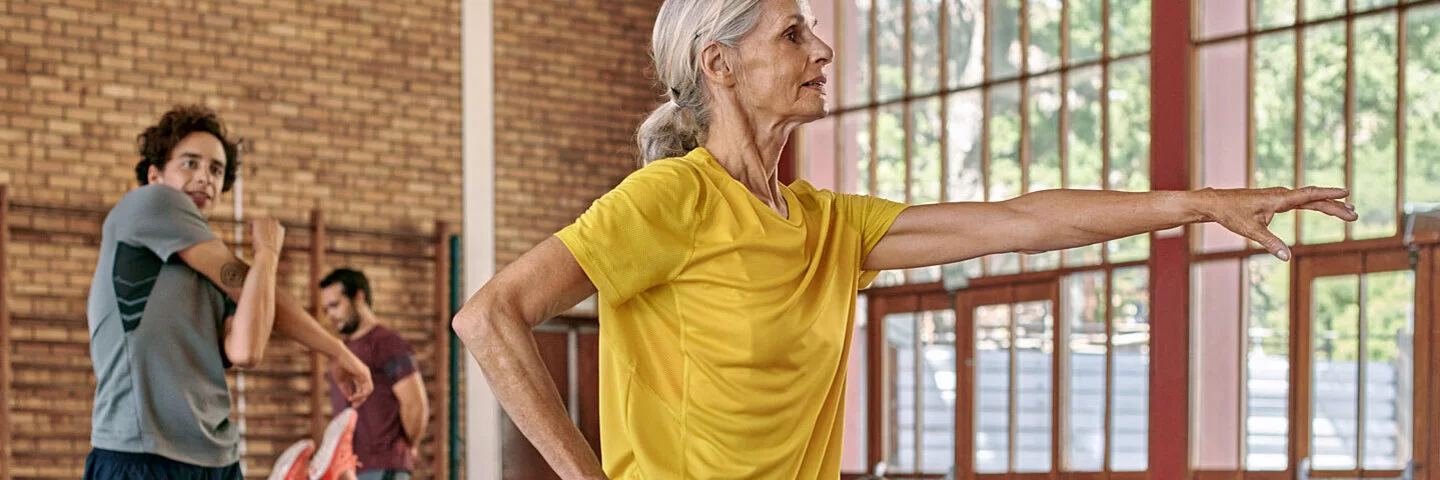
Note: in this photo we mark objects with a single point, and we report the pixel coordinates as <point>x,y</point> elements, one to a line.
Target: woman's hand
<point>1248,211</point>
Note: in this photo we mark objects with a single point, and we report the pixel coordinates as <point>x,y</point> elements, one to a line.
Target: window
<point>1337,93</point>
<point>985,100</point>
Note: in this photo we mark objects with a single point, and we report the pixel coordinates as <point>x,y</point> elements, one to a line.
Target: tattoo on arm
<point>233,274</point>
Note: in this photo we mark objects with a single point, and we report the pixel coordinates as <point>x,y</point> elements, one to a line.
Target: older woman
<point>727,298</point>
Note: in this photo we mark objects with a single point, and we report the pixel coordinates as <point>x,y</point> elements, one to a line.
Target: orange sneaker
<point>337,450</point>
<point>294,463</point>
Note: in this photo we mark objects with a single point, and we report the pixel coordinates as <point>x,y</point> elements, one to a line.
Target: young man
<point>171,308</point>
<point>390,424</point>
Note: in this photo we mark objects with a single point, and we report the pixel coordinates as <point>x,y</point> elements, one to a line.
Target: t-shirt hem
<point>868,276</point>
<point>588,263</point>
<point>128,447</point>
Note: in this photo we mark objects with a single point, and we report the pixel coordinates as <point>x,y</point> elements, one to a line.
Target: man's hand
<point>353,378</point>
<point>269,234</point>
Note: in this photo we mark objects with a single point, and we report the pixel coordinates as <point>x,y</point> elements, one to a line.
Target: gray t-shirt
<point>156,336</point>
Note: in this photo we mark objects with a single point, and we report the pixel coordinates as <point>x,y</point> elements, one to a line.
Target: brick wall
<point>352,107</point>
<point>573,80</point>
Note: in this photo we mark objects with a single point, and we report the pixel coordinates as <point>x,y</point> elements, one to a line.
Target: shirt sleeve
<point>642,233</point>
<point>871,217</point>
<point>397,359</point>
<point>161,219</point>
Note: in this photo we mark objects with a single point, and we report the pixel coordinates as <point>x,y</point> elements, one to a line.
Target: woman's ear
<point>715,63</point>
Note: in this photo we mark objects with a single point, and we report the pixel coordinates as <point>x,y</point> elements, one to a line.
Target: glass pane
<point>1042,261</point>
<point>1086,27</point>
<point>1363,5</point>
<point>1323,9</point>
<point>1044,133</point>
<point>1129,98</point>
<point>966,30</point>
<point>1044,35</point>
<point>1373,128</point>
<point>1083,256</point>
<point>925,152</point>
<point>901,401</point>
<point>1034,354</point>
<point>1004,178</point>
<point>937,413</point>
<point>1222,115</point>
<point>1335,313</point>
<point>1004,142</point>
<point>890,167</point>
<point>855,150</point>
<point>992,389</point>
<point>1267,368</point>
<point>819,158</point>
<point>853,56</point>
<point>1324,113</point>
<point>964,121</point>
<point>1422,132</point>
<point>1129,26</point>
<point>1274,99</point>
<point>1274,13</point>
<point>1004,38</point>
<point>1389,369</point>
<point>1215,368</point>
<point>1219,18</point>
<point>1130,249</point>
<point>1130,389</point>
<point>924,274</point>
<point>890,64</point>
<point>1083,310</point>
<point>1083,138</point>
<point>889,278</point>
<point>924,46</point>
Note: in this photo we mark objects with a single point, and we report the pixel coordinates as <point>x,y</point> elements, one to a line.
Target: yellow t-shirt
<point>724,327</point>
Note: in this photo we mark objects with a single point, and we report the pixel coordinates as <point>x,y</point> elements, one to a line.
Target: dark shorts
<point>108,465</point>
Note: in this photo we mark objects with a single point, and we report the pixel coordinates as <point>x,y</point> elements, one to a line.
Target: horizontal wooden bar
<point>401,256</point>
<point>1356,473</point>
<point>1421,239</point>
<point>1048,275</point>
<point>992,83</point>
<point>1253,32</point>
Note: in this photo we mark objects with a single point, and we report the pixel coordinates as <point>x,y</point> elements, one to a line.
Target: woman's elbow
<point>475,322</point>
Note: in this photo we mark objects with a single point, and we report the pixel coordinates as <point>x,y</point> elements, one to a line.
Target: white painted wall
<point>482,428</point>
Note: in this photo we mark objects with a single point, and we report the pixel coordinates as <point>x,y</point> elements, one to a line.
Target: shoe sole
<point>320,463</point>
<point>287,460</point>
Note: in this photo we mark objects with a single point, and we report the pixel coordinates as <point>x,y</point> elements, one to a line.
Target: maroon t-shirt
<point>380,441</point>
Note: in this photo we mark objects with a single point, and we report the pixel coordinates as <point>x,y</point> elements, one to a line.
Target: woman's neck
<point>751,155</point>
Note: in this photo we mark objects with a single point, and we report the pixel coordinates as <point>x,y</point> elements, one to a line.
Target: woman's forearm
<point>1073,218</point>
<point>504,345</point>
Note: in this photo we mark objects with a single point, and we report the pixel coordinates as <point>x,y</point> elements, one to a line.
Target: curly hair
<point>156,142</point>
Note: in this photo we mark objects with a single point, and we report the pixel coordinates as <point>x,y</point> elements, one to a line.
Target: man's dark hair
<point>351,282</point>
<point>157,141</point>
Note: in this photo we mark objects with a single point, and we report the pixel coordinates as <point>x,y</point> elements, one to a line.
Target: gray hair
<point>681,30</point>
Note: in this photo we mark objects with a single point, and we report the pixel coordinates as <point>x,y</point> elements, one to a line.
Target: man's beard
<point>350,325</point>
